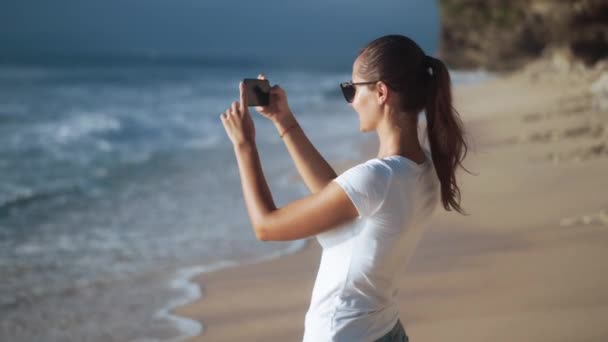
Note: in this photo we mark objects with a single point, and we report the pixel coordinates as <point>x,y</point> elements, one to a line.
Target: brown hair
<point>422,82</point>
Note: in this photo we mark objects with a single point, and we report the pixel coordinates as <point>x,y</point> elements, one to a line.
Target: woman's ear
<point>382,90</point>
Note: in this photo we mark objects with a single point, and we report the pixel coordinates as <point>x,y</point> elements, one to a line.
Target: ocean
<point>119,183</point>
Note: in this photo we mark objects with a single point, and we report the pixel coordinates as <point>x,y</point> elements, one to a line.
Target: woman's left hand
<point>237,121</point>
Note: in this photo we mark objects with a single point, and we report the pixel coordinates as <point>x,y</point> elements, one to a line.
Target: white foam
<point>205,142</point>
<point>86,124</point>
<point>81,125</point>
<point>191,290</point>
<point>28,249</point>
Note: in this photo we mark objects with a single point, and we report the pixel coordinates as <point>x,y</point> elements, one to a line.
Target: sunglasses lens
<point>349,92</point>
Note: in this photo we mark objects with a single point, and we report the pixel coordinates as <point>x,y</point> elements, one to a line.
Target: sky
<point>325,32</point>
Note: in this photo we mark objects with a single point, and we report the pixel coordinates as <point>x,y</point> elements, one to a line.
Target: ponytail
<point>445,132</point>
<point>404,67</point>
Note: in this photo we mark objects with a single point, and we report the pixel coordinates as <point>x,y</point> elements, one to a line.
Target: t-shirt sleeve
<point>366,185</point>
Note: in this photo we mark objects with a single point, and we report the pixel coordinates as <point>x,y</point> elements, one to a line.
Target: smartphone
<point>257,92</point>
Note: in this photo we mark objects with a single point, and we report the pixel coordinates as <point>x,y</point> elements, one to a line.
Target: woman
<point>390,198</point>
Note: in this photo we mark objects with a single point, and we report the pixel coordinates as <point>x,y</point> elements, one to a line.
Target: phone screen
<point>257,92</point>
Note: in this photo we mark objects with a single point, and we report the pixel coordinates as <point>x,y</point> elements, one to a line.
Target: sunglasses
<point>349,89</point>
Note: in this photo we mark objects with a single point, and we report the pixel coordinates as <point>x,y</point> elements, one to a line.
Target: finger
<point>275,89</point>
<point>261,76</point>
<point>242,89</point>
<point>234,107</point>
<point>225,120</point>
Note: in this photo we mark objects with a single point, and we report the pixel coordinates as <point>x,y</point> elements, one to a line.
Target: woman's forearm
<point>256,193</point>
<point>312,167</point>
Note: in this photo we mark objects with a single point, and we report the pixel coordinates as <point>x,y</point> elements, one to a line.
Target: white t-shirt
<point>353,298</point>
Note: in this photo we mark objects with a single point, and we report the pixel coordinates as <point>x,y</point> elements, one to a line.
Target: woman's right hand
<point>277,110</point>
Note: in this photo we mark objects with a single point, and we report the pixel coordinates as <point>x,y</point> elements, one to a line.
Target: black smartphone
<point>257,92</point>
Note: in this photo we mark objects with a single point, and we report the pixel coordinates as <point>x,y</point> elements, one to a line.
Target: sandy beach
<point>527,264</point>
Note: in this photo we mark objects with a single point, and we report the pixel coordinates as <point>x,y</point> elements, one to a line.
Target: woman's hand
<point>237,121</point>
<point>277,110</point>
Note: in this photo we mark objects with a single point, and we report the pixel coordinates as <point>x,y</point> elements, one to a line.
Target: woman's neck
<point>395,140</point>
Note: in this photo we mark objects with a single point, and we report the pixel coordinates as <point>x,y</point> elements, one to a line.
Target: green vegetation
<point>483,13</point>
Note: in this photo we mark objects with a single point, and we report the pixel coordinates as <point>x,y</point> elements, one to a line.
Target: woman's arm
<point>256,193</point>
<point>313,168</point>
<point>302,218</point>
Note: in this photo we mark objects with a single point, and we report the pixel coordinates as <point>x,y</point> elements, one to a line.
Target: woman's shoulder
<point>395,165</point>
<point>372,167</point>
<point>371,172</point>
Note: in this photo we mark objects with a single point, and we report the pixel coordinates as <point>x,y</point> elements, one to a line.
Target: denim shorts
<point>397,334</point>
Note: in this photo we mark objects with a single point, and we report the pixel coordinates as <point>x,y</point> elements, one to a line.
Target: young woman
<point>388,199</point>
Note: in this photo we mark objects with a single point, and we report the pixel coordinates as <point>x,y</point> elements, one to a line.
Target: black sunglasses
<point>349,89</point>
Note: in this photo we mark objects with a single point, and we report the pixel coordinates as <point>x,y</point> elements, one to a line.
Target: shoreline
<point>310,251</point>
<point>192,291</point>
<point>520,266</point>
